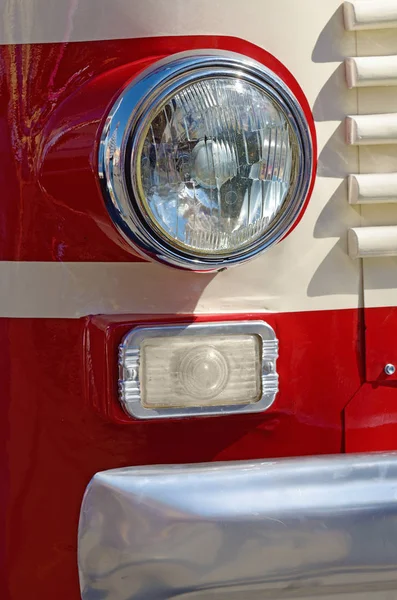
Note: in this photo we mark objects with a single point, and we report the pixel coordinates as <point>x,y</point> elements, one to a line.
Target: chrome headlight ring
<point>125,127</point>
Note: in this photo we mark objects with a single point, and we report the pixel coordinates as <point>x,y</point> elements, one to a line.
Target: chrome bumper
<point>299,528</point>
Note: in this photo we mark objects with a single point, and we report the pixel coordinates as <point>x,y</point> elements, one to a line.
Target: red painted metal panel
<point>380,342</point>
<point>54,436</point>
<point>371,416</point>
<point>371,419</point>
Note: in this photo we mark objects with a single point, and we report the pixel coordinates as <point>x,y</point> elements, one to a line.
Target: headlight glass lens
<point>216,165</point>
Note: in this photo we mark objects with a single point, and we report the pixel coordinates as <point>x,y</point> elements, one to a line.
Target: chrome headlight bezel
<point>125,128</point>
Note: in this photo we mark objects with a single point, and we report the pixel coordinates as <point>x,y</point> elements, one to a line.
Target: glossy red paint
<point>371,419</point>
<point>371,416</point>
<point>53,100</point>
<point>56,433</point>
<point>380,343</point>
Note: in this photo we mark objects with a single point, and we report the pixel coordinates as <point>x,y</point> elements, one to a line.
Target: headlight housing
<point>205,160</point>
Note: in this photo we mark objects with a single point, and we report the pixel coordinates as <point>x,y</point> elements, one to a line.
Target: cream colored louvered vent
<point>370,14</point>
<point>371,129</point>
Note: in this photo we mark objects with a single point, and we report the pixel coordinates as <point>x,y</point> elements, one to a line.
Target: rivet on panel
<point>389,369</point>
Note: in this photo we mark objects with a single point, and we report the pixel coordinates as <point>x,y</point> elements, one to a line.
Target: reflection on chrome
<point>293,528</point>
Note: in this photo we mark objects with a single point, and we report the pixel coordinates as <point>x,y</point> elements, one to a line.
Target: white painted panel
<point>372,188</point>
<point>371,129</point>
<point>366,71</point>
<point>260,21</point>
<point>71,290</point>
<point>380,276</point>
<point>370,14</point>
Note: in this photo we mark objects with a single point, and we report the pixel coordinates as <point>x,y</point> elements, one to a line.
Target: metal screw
<point>268,367</point>
<point>132,373</point>
<point>389,369</point>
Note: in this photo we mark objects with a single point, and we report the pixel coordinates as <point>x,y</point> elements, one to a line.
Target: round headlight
<point>205,160</point>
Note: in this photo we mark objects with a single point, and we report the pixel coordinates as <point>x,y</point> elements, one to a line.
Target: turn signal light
<point>198,369</point>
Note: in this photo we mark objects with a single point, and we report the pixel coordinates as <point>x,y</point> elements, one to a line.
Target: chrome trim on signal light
<point>129,371</point>
<point>125,126</point>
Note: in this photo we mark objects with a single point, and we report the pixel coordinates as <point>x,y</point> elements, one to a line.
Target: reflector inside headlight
<point>216,165</point>
<point>205,160</point>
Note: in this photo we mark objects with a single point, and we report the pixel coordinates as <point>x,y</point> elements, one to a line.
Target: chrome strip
<point>296,528</point>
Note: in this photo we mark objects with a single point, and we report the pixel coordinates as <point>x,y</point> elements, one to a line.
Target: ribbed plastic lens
<point>216,165</point>
<point>197,371</point>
